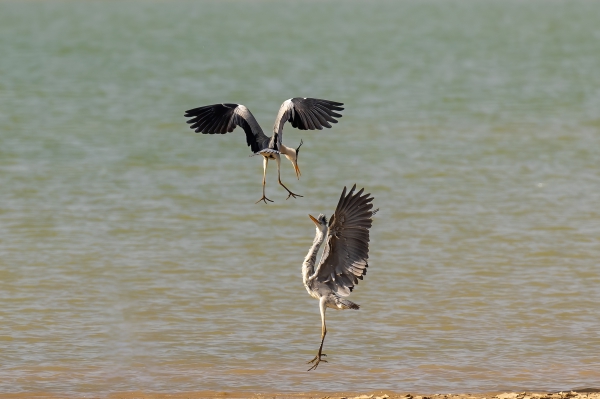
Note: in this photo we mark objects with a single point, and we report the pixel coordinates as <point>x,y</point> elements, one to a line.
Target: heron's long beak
<point>314,220</point>
<point>297,169</point>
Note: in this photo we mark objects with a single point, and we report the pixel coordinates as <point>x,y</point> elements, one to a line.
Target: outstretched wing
<point>307,114</point>
<point>344,259</point>
<point>223,118</point>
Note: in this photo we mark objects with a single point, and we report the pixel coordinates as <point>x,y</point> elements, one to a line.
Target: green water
<point>132,255</point>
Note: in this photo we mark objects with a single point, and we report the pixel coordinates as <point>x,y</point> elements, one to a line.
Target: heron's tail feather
<point>264,152</point>
<point>346,304</point>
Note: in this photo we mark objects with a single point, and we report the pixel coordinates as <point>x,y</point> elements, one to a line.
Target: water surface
<point>132,255</point>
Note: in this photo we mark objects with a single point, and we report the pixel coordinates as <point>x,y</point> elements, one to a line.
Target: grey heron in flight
<point>302,113</point>
<point>344,259</point>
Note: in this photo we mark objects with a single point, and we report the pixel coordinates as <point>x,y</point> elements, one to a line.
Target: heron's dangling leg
<point>291,194</point>
<point>264,198</point>
<point>317,358</point>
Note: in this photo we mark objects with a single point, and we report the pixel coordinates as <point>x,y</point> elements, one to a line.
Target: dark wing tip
<point>211,119</point>
<point>342,197</point>
<point>329,102</point>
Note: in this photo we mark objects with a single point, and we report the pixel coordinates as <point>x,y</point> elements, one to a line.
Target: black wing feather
<point>345,257</point>
<point>223,118</point>
<point>307,114</point>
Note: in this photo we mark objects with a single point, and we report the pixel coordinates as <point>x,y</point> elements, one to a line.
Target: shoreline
<point>587,393</point>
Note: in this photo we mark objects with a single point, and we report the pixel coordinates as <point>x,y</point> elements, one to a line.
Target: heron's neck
<point>285,150</point>
<point>308,267</point>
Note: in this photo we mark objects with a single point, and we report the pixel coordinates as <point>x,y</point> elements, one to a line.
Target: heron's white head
<point>292,155</point>
<point>320,222</point>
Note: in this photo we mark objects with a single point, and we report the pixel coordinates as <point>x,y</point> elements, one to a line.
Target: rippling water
<point>132,255</point>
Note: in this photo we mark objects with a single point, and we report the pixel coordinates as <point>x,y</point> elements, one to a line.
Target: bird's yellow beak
<point>297,169</point>
<point>314,220</point>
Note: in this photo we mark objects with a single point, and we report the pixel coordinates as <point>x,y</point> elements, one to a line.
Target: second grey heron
<point>344,258</point>
<point>302,113</point>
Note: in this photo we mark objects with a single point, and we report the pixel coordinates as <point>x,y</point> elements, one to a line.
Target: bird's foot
<point>291,194</point>
<point>316,361</point>
<point>263,199</point>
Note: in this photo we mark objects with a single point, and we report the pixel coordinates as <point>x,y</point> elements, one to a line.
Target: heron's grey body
<point>302,113</point>
<point>345,257</point>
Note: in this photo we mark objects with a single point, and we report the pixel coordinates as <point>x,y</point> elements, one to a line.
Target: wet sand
<point>590,393</point>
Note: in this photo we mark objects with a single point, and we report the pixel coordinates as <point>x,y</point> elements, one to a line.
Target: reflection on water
<point>133,255</point>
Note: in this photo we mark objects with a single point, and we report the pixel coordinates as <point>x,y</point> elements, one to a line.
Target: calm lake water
<point>132,255</point>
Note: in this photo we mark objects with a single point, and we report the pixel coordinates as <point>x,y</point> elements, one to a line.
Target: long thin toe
<point>264,199</point>
<point>313,367</point>
<point>317,360</point>
<point>291,194</point>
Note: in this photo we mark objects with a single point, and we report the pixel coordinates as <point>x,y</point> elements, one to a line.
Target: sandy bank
<point>581,394</point>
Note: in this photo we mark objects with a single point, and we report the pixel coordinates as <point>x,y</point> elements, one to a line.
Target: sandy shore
<point>582,394</point>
